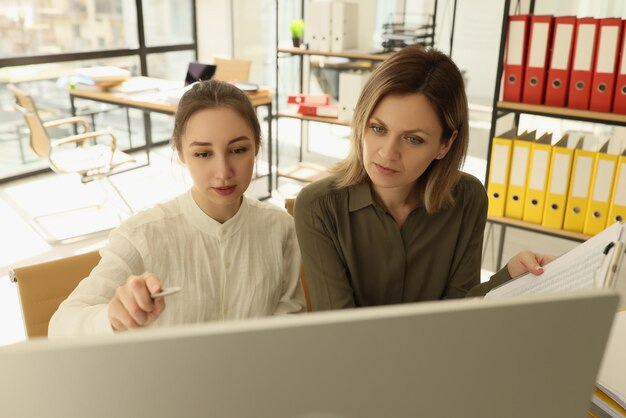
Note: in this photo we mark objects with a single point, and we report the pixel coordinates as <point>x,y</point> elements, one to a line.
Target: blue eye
<point>416,140</point>
<point>378,130</point>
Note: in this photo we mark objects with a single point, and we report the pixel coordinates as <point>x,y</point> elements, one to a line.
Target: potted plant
<point>297,31</point>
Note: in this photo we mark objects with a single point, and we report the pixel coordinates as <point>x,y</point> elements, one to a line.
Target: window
<point>44,41</point>
<point>40,27</point>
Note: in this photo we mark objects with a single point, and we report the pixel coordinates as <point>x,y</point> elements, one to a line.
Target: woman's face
<point>400,140</point>
<point>218,148</point>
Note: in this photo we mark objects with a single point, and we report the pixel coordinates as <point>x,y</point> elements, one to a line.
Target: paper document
<point>612,375</point>
<point>594,263</point>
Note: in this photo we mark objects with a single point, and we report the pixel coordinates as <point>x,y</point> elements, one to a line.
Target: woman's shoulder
<point>470,194</point>
<point>469,184</point>
<point>153,216</point>
<point>321,189</point>
<point>267,212</point>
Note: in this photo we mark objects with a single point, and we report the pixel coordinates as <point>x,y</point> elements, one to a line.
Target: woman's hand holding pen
<point>132,306</point>
<point>527,261</point>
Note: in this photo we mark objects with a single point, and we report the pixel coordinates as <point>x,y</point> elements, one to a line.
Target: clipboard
<point>593,264</point>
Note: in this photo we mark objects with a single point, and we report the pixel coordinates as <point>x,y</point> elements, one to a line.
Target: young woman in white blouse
<point>233,256</point>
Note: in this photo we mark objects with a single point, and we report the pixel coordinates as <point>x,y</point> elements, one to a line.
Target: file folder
<point>350,86</point>
<point>539,41</point>
<point>344,26</point>
<point>535,198</point>
<point>317,25</point>
<point>558,183</point>
<point>600,191</point>
<point>560,61</point>
<point>515,58</point>
<point>518,176</point>
<point>617,209</point>
<point>619,100</point>
<point>499,172</point>
<point>331,111</point>
<point>578,195</point>
<point>603,85</point>
<point>309,99</point>
<point>582,67</point>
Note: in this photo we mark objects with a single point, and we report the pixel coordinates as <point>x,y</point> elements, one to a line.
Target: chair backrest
<point>42,287</point>
<point>289,205</point>
<point>232,70</point>
<point>39,138</point>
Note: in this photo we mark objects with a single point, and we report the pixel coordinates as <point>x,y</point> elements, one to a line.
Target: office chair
<point>42,287</point>
<point>82,153</point>
<point>232,70</point>
<point>289,205</point>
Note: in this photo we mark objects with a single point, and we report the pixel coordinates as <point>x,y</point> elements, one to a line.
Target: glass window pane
<point>41,27</point>
<point>167,22</point>
<point>170,65</point>
<point>48,84</point>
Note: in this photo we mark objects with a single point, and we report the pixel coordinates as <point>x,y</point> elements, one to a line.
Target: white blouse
<point>246,267</point>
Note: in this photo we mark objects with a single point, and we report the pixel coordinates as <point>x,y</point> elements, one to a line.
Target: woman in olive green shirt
<point>398,221</point>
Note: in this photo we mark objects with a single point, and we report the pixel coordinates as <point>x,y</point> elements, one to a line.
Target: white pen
<point>166,291</point>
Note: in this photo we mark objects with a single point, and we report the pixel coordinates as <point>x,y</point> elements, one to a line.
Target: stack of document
<point>102,76</point>
<point>593,264</point>
<point>611,393</point>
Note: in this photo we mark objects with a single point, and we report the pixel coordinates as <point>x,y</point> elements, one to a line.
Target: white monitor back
<point>516,357</point>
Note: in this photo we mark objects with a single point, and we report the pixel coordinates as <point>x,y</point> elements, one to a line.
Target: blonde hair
<point>431,73</point>
<point>212,94</point>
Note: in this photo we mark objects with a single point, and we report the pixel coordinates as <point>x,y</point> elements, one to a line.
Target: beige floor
<point>165,178</point>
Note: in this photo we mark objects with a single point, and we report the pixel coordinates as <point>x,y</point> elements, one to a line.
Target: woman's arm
<point>520,263</point>
<point>85,311</point>
<point>466,263</point>
<point>327,275</point>
<point>292,295</point>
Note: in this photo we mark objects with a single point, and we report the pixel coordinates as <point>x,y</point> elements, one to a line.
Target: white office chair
<point>83,153</point>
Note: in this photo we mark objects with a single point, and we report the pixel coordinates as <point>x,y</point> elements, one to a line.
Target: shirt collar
<point>359,196</point>
<point>208,225</point>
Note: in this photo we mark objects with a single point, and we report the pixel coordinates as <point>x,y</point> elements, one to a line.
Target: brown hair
<point>211,94</point>
<point>431,73</point>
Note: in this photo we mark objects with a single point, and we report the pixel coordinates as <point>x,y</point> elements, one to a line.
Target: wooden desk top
<point>154,98</point>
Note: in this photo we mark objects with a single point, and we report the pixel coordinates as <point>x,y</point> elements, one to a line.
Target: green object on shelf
<point>296,26</point>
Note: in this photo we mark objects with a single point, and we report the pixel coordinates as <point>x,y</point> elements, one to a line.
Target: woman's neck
<point>399,201</point>
<point>220,213</point>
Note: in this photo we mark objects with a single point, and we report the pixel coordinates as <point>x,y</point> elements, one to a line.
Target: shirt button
<point>221,233</point>
<point>225,310</point>
<point>227,264</point>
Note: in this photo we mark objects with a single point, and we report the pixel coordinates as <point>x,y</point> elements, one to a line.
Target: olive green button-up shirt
<point>355,254</point>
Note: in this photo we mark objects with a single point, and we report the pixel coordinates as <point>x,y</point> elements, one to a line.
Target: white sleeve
<point>85,311</point>
<point>292,296</point>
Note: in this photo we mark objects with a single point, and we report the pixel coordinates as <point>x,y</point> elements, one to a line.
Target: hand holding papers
<point>593,264</point>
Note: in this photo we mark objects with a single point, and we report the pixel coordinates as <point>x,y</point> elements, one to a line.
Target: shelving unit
<point>368,59</point>
<point>304,55</point>
<point>306,172</point>
<point>350,55</point>
<point>501,109</point>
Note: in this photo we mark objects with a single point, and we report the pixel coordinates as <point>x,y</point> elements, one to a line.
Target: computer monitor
<point>518,357</point>
<point>197,71</point>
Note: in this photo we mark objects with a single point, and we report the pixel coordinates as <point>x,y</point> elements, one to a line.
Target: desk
<point>146,103</point>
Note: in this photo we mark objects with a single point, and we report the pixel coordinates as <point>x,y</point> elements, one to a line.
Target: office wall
<point>476,44</point>
<point>478,29</point>
<point>214,27</point>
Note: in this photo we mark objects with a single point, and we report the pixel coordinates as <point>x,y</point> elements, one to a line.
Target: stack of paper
<point>102,76</point>
<point>612,375</point>
<point>594,263</point>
